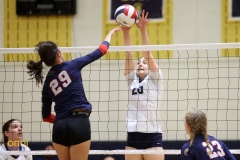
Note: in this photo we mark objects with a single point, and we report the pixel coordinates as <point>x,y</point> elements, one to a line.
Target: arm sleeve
<point>130,77</point>
<point>91,57</point>
<point>47,106</point>
<point>157,77</point>
<point>104,47</point>
<point>50,118</point>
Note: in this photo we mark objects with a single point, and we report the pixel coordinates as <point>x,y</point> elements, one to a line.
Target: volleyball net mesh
<point>204,76</point>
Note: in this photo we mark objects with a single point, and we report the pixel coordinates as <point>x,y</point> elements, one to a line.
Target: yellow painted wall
<point>160,32</point>
<point>27,31</point>
<point>230,30</point>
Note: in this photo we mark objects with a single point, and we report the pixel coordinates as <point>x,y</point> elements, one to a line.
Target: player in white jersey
<point>12,135</point>
<point>145,91</point>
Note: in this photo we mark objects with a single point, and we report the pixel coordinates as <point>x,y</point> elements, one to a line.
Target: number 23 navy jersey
<point>199,150</point>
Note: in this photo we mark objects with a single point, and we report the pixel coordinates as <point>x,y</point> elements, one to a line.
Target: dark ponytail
<point>47,51</point>
<point>35,71</point>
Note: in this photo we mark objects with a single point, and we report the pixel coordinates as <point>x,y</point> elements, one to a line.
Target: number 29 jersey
<point>63,85</point>
<point>199,150</point>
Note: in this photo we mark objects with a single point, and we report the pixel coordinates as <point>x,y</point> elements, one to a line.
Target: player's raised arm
<point>109,35</point>
<point>142,25</point>
<point>105,44</point>
<point>129,64</point>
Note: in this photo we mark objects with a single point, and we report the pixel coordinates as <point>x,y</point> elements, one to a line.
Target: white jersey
<point>20,157</point>
<point>144,99</point>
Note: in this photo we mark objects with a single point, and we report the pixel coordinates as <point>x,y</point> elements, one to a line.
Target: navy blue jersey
<point>63,85</point>
<point>198,150</point>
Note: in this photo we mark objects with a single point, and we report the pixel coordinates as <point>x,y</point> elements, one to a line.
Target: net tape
<point>98,152</point>
<point>134,48</point>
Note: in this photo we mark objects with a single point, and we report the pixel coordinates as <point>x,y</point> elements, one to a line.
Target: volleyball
<point>126,15</point>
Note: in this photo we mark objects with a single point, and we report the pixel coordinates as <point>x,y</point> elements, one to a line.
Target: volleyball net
<point>204,76</point>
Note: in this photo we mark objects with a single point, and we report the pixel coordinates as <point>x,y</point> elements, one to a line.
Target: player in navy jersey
<point>200,145</point>
<point>63,85</point>
<point>145,82</point>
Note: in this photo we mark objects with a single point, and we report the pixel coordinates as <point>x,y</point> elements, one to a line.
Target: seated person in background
<point>48,157</point>
<point>109,158</point>
<point>201,146</point>
<point>12,140</point>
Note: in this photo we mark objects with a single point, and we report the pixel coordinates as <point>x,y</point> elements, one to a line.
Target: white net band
<point>107,152</point>
<point>134,48</point>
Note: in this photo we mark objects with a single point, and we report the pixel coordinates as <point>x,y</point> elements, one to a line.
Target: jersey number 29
<point>64,78</point>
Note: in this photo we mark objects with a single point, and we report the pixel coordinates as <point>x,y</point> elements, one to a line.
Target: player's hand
<point>142,20</point>
<point>116,29</point>
<point>124,29</point>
